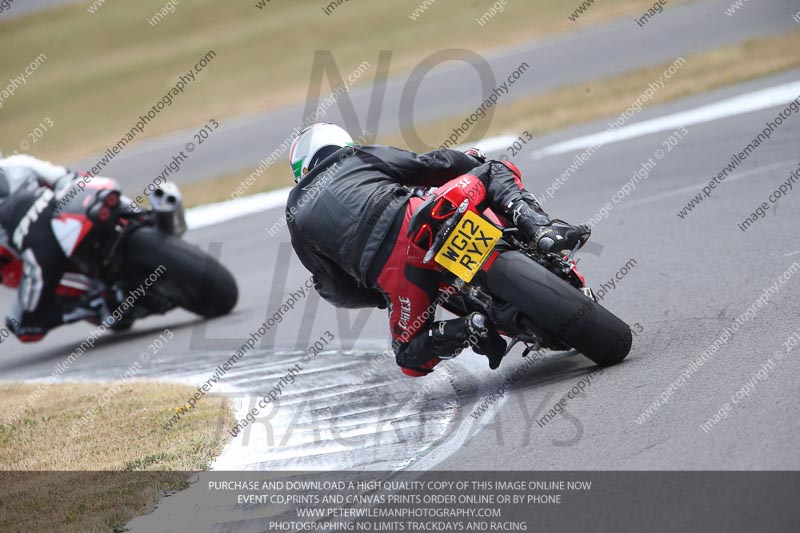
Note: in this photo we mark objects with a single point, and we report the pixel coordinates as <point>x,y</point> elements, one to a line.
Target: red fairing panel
<point>467,186</point>
<point>578,274</point>
<point>10,268</point>
<point>70,230</point>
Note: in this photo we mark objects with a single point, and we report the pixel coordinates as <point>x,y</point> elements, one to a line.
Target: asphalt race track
<point>690,278</point>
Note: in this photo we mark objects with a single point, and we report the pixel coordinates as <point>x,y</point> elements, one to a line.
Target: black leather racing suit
<point>27,200</point>
<point>345,217</point>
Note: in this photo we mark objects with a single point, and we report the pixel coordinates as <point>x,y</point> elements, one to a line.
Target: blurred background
<point>224,84</point>
<point>96,67</point>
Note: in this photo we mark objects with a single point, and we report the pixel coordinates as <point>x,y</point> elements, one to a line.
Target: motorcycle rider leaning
<point>348,218</point>
<point>29,189</point>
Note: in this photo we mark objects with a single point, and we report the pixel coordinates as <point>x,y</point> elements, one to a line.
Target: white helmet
<point>314,144</point>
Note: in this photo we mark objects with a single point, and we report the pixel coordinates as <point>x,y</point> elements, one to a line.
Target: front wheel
<point>558,309</point>
<point>196,281</point>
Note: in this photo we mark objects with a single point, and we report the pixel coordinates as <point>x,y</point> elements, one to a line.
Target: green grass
<point>115,467</point>
<point>105,69</point>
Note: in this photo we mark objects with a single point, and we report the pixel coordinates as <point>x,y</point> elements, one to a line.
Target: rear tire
<point>202,285</point>
<point>559,309</point>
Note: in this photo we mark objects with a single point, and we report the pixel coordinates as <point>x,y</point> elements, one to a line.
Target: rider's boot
<point>560,236</point>
<point>93,307</point>
<point>549,235</point>
<point>32,326</point>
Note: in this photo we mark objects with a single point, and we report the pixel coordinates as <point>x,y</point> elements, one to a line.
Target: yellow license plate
<point>469,245</point>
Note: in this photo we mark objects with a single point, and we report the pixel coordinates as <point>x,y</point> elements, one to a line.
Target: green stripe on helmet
<point>297,169</point>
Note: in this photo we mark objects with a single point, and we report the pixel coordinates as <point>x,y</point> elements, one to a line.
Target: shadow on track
<point>58,353</point>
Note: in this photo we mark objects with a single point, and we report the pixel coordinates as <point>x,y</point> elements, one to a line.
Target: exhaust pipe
<point>167,203</point>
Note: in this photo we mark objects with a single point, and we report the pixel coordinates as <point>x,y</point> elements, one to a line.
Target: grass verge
<point>115,467</point>
<point>105,69</point>
<point>607,98</point>
<point>568,106</point>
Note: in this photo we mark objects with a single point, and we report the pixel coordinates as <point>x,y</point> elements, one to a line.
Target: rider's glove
<point>476,153</point>
<point>448,338</point>
<point>485,340</point>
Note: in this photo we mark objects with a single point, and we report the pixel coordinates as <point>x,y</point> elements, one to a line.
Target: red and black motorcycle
<point>114,247</point>
<point>535,298</point>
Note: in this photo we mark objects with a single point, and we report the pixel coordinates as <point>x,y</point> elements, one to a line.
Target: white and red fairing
<point>70,228</point>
